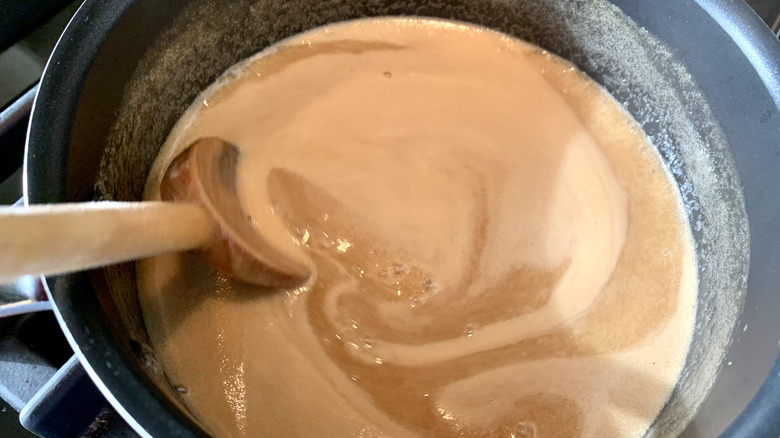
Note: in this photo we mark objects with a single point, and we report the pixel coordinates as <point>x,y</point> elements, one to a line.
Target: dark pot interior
<point>124,73</point>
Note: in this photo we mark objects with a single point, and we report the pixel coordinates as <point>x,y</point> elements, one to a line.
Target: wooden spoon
<point>200,210</point>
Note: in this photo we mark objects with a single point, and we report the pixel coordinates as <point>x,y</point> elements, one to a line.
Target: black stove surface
<point>36,362</point>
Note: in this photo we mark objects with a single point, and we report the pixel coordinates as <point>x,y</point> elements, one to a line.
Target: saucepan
<point>702,77</point>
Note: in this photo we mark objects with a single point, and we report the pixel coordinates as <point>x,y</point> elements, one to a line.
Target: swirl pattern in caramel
<point>497,249</point>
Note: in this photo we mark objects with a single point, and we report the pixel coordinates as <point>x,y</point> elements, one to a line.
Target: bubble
<point>469,330</point>
<point>445,414</point>
<point>206,102</point>
<point>429,285</point>
<point>398,269</point>
<point>302,234</point>
<point>524,430</point>
<point>378,361</point>
<point>387,74</point>
<point>343,245</point>
<point>181,389</point>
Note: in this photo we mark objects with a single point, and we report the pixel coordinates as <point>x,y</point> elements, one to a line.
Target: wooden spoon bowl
<point>201,210</point>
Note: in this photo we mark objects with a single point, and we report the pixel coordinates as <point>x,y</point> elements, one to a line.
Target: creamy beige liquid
<point>498,251</point>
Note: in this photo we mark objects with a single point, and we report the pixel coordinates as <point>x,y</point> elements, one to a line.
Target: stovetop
<point>21,65</point>
<point>38,373</point>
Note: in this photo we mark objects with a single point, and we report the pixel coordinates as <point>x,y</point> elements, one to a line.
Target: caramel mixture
<point>497,249</point>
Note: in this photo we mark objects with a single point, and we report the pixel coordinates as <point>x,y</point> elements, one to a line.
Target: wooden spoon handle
<point>58,238</point>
